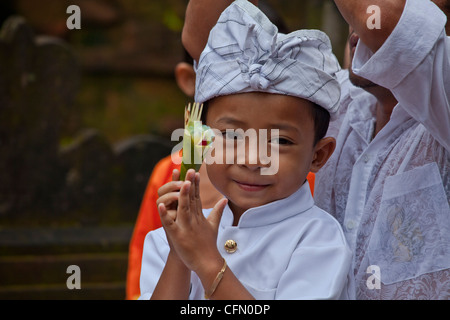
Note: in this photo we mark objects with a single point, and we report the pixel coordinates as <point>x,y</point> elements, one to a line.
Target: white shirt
<point>391,194</point>
<point>287,249</point>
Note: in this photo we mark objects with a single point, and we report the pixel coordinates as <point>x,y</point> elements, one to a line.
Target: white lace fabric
<point>391,194</point>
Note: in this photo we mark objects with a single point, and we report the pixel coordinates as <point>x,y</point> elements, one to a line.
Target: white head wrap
<point>245,53</point>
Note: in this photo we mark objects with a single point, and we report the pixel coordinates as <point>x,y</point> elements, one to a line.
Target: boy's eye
<point>281,141</point>
<point>232,135</point>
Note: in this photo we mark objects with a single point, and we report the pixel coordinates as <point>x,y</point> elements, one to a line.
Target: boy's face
<point>243,183</point>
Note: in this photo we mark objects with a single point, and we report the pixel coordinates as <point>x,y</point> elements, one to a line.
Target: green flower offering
<point>197,139</point>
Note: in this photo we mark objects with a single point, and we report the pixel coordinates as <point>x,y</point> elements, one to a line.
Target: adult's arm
<point>414,63</point>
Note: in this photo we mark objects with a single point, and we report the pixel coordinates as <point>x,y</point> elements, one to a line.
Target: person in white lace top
<point>388,181</point>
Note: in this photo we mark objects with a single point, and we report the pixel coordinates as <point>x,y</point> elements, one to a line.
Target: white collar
<point>273,212</point>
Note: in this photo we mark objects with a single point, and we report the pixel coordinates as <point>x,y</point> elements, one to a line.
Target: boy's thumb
<point>216,213</point>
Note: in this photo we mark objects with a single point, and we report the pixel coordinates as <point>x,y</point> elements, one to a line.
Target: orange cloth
<point>148,220</point>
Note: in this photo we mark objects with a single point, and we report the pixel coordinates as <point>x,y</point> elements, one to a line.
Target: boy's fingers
<point>168,199</point>
<point>166,219</point>
<point>175,175</point>
<point>197,199</point>
<point>197,186</point>
<point>192,203</point>
<point>183,202</point>
<point>216,213</point>
<point>170,187</point>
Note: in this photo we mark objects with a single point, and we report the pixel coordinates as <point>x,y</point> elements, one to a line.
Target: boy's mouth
<point>251,186</point>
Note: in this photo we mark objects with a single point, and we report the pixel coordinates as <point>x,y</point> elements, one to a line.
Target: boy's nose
<point>248,156</point>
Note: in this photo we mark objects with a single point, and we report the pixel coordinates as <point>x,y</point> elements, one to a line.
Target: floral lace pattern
<point>413,230</point>
<point>404,226</point>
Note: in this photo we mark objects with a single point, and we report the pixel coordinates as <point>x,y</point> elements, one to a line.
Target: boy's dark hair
<point>319,115</point>
<point>321,118</point>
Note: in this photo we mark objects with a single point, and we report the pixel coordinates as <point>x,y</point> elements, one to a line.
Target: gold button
<point>230,246</point>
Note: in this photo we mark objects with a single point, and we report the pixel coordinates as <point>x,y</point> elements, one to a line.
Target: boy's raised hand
<point>169,193</point>
<point>192,236</point>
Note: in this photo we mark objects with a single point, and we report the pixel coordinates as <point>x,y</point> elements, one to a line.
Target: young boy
<point>266,239</point>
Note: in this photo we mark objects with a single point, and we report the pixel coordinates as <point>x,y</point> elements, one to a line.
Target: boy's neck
<point>237,213</point>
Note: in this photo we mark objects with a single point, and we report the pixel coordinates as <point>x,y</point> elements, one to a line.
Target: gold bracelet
<point>216,281</point>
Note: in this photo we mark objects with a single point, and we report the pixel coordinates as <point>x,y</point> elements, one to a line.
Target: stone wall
<point>87,181</point>
<point>61,205</point>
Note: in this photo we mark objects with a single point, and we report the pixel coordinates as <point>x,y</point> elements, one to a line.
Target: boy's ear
<point>322,152</point>
<point>185,77</point>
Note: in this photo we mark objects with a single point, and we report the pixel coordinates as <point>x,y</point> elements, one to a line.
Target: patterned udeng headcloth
<point>246,53</point>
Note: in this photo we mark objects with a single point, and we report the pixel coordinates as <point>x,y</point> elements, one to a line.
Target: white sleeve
<point>414,63</point>
<point>154,257</point>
